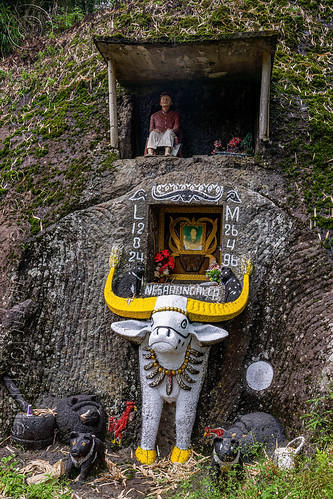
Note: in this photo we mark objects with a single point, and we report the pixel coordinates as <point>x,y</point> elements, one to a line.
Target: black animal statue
<point>249,435</point>
<point>86,451</point>
<point>232,285</point>
<point>80,413</point>
<point>129,285</point>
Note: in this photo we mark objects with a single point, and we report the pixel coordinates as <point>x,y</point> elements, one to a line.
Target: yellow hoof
<point>145,456</point>
<point>179,455</point>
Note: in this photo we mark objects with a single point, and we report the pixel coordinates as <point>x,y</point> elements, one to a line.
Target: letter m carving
<point>234,215</point>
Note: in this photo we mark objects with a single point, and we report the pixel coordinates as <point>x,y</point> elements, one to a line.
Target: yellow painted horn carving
<point>136,308</point>
<point>201,311</point>
<point>141,308</point>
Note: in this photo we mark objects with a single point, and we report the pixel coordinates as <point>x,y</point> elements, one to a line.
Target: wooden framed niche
<point>228,78</point>
<point>193,236</point>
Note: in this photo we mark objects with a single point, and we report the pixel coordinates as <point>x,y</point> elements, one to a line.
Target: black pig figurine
<point>86,452</point>
<point>250,433</point>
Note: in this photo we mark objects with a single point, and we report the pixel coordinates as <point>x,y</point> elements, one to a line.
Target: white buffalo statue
<point>173,356</point>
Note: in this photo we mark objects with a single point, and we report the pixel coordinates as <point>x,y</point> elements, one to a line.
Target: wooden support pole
<point>113,104</point>
<point>264,96</point>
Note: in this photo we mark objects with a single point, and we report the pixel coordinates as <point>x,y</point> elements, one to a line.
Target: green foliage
<point>12,484</point>
<point>9,34</point>
<point>319,422</point>
<point>65,18</point>
<point>44,178</point>
<point>301,74</point>
<point>312,478</point>
<point>214,273</point>
<point>21,20</point>
<point>108,162</point>
<point>34,225</point>
<point>197,489</point>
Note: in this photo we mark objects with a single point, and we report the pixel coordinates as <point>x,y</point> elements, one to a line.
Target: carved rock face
<point>64,272</point>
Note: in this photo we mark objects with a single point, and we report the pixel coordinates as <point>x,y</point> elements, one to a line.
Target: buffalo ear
<point>132,330</point>
<point>206,334</point>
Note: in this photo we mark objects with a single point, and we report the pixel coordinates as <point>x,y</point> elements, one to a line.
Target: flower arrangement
<point>234,144</point>
<point>217,146</point>
<point>213,273</point>
<point>164,264</point>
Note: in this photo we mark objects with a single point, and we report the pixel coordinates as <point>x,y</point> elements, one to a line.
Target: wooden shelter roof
<point>141,63</point>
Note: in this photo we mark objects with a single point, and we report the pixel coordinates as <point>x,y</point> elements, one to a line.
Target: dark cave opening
<point>209,110</point>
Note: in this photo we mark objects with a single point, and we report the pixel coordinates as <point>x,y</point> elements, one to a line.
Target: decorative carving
<point>15,393</point>
<point>140,194</point>
<point>164,128</point>
<point>81,413</point>
<point>232,285</point>
<point>187,192</point>
<point>192,236</point>
<point>172,349</point>
<point>31,430</point>
<point>233,196</point>
<point>192,263</point>
<point>178,373</point>
<point>117,426</point>
<point>212,292</point>
<point>141,308</point>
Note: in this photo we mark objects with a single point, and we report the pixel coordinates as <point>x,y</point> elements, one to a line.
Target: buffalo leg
<point>152,404</point>
<point>185,417</point>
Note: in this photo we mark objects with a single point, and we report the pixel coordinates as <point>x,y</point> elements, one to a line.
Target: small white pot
<point>283,457</point>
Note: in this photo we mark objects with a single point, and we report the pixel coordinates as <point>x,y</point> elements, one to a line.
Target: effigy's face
<point>165,102</point>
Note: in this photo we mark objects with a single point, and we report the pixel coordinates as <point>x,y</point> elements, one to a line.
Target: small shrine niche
<point>208,110</point>
<point>192,234</point>
<point>220,88</point>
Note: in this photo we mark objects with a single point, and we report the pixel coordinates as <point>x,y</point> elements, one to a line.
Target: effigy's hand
<point>157,130</point>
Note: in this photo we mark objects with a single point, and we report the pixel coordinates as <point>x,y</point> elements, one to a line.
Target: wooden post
<point>264,96</point>
<point>113,104</point>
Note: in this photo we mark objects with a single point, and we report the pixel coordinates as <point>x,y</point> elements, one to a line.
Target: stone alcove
<point>220,88</point>
<point>209,110</point>
<point>167,230</point>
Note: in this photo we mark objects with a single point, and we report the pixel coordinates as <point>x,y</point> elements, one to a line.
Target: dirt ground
<point>124,478</point>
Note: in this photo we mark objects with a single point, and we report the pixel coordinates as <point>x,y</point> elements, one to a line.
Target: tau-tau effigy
<point>173,352</point>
